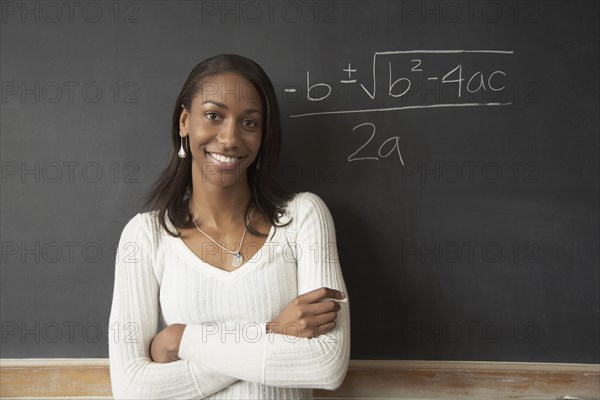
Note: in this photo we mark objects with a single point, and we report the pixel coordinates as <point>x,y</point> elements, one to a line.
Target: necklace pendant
<point>237,260</point>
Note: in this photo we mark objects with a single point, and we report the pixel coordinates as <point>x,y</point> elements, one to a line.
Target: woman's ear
<point>184,120</point>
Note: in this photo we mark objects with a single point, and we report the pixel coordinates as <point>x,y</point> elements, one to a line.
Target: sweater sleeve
<point>285,360</point>
<point>133,323</point>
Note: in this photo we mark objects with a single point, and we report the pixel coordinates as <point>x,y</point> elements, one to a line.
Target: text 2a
<point>393,141</point>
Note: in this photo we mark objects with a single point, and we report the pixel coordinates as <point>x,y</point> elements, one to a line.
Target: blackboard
<point>467,222</point>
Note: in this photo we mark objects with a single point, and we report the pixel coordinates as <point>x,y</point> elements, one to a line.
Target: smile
<point>223,162</point>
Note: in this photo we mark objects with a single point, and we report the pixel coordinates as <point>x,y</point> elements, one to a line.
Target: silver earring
<point>258,163</point>
<point>182,152</point>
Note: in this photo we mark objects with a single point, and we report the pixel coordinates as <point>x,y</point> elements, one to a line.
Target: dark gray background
<point>418,244</point>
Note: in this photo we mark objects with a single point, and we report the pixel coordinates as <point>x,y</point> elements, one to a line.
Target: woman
<point>244,276</point>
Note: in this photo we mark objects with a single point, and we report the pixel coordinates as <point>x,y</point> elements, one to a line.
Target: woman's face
<point>224,129</point>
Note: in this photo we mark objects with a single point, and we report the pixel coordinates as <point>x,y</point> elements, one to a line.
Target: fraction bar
<point>400,108</point>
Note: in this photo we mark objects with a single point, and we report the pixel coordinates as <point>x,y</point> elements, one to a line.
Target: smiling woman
<point>243,275</point>
<point>227,112</point>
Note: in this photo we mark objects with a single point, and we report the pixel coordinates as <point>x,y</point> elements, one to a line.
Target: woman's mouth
<point>222,161</point>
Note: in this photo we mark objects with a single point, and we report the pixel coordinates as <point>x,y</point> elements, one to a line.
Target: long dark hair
<point>172,191</point>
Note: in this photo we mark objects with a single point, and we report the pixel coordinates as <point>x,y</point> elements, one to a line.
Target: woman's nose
<point>229,134</point>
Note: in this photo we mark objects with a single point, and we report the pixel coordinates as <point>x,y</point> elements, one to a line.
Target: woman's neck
<point>219,207</point>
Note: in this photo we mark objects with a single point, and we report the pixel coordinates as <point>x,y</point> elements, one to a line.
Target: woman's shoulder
<point>306,204</point>
<point>311,218</point>
<point>143,223</point>
<point>307,199</point>
<point>142,219</point>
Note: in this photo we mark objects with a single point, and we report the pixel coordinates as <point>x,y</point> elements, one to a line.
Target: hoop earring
<point>182,152</point>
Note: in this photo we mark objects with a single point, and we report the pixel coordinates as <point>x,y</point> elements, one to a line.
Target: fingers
<point>310,314</point>
<point>324,319</point>
<point>318,319</point>
<point>325,328</point>
<point>311,327</point>
<point>323,307</point>
<point>307,312</point>
<point>322,293</point>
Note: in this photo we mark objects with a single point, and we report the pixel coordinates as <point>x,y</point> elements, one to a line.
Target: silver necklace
<point>238,259</point>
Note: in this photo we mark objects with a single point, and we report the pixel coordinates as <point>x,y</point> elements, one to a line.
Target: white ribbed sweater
<point>225,352</point>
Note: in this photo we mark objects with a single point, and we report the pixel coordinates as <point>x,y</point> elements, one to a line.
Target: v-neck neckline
<point>216,271</point>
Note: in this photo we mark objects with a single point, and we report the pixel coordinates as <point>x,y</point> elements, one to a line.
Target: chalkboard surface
<point>455,143</point>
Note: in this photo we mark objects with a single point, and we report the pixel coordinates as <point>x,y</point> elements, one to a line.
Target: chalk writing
<point>464,82</point>
<point>399,86</point>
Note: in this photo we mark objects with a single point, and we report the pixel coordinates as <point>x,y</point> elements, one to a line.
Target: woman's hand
<point>308,315</point>
<point>164,347</point>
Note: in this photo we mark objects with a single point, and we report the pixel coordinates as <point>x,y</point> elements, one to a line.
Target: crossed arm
<point>178,364</point>
<point>308,316</point>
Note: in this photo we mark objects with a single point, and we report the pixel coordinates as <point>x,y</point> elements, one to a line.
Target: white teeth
<point>223,158</point>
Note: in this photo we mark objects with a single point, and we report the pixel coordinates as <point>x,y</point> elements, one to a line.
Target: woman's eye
<point>212,115</point>
<point>249,123</point>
